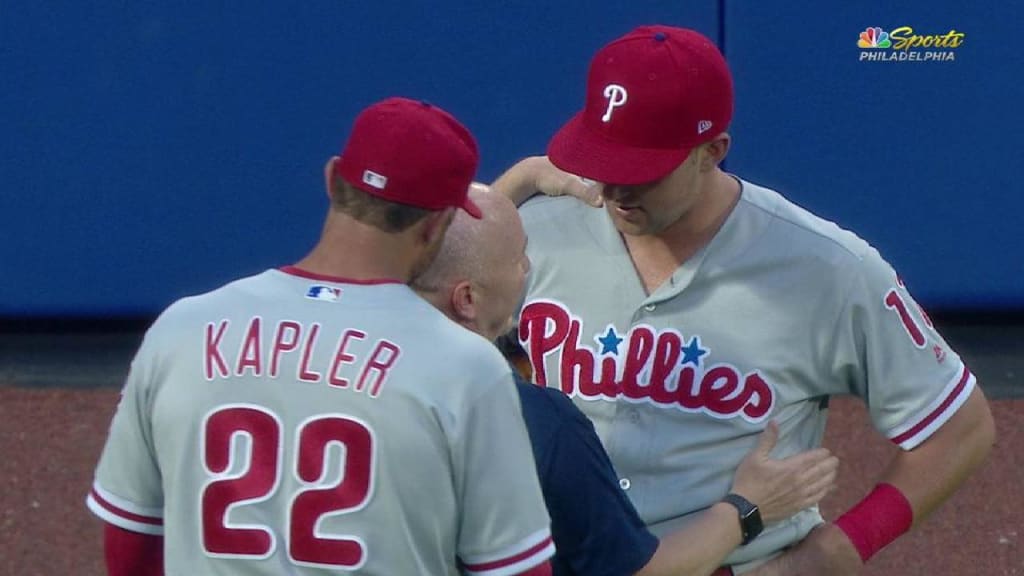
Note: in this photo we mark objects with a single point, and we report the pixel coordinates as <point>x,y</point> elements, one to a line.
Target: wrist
<point>880,518</point>
<point>749,516</point>
<point>725,515</point>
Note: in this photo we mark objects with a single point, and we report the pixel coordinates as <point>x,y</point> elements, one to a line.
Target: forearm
<point>929,474</point>
<point>518,182</point>
<point>916,482</point>
<point>700,547</point>
<point>130,553</point>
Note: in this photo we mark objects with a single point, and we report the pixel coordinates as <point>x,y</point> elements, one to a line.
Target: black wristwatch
<point>750,516</point>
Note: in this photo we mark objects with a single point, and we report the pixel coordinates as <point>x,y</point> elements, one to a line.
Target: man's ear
<point>329,176</point>
<point>436,224</point>
<point>715,151</point>
<point>464,302</point>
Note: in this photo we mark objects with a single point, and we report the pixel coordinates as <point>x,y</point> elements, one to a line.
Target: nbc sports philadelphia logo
<point>903,44</point>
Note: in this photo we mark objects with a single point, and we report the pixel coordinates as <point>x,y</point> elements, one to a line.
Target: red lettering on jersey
<point>687,395</point>
<point>383,357</point>
<point>249,353</point>
<point>305,374</point>
<point>533,324</point>
<point>578,367</point>
<point>343,357</point>
<point>761,395</point>
<point>893,301</point>
<point>653,367</point>
<point>641,344</point>
<point>213,356</point>
<point>666,359</point>
<point>286,339</point>
<point>718,388</point>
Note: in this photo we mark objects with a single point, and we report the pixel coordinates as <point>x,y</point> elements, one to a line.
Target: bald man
<point>477,280</point>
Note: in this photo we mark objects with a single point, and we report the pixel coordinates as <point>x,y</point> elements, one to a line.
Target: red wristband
<point>881,517</point>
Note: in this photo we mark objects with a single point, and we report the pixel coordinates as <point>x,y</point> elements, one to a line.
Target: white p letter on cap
<point>616,96</point>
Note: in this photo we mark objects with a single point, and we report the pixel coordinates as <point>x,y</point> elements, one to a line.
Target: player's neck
<point>657,256</point>
<point>351,249</point>
<point>697,227</point>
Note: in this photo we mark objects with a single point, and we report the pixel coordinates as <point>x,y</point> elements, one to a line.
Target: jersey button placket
<point>624,483</point>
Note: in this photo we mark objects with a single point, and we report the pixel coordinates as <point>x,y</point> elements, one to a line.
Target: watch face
<point>750,517</point>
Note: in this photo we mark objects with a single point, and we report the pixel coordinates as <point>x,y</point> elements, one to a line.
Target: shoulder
<point>199,304</point>
<point>805,235</point>
<point>565,232</point>
<point>174,329</point>
<point>554,213</point>
<point>192,308</point>
<point>811,228</point>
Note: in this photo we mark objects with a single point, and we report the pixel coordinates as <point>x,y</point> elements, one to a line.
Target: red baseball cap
<point>652,96</point>
<point>413,153</point>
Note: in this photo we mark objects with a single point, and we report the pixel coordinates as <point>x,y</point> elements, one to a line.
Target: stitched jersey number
<point>252,474</point>
<point>895,302</point>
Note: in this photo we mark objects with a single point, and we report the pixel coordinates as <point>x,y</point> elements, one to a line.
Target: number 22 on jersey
<point>245,473</point>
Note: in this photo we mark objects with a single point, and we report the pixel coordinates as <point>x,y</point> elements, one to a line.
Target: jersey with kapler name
<point>293,424</point>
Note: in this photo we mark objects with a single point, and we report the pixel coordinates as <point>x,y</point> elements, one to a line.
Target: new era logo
<point>376,180</point>
<point>703,126</point>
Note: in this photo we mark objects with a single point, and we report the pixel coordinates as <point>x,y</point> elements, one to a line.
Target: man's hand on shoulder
<point>537,174</point>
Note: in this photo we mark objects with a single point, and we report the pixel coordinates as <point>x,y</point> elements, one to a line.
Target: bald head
<point>478,275</point>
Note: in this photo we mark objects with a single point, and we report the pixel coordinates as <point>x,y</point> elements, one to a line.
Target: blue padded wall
<point>919,157</point>
<point>152,150</point>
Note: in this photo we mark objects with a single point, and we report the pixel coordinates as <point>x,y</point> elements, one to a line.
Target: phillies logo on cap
<point>617,96</point>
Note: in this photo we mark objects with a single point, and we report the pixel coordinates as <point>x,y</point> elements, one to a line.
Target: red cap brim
<point>581,151</point>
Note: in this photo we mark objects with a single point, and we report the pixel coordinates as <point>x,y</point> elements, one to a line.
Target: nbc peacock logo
<point>874,37</point>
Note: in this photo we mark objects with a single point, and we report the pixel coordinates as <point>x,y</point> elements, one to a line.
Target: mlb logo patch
<point>325,293</point>
<point>376,180</point>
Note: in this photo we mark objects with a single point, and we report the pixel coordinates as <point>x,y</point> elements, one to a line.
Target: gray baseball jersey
<point>289,423</point>
<point>780,311</point>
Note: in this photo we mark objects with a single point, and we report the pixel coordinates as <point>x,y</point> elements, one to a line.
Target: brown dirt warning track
<point>51,438</point>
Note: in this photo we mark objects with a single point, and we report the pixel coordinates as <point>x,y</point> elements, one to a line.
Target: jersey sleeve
<point>597,529</point>
<point>505,527</point>
<point>126,490</point>
<point>895,359</point>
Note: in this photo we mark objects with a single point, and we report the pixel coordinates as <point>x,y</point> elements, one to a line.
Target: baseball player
<point>321,417</point>
<point>697,306</point>
<point>477,280</point>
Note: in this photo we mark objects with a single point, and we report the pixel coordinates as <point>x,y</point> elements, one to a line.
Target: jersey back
<point>286,424</point>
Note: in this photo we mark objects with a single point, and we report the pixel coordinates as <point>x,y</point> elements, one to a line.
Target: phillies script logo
<point>643,365</point>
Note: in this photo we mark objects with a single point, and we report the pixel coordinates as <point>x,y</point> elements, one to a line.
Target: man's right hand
<point>783,487</point>
<point>538,174</point>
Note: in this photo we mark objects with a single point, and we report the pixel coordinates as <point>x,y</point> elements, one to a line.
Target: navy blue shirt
<point>596,529</point>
